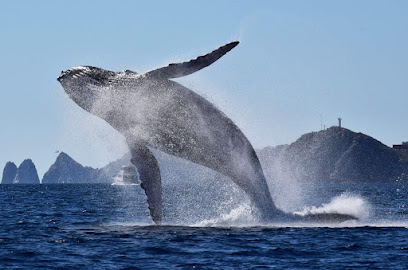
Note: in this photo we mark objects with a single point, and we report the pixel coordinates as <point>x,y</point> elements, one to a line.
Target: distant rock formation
<point>26,173</point>
<point>9,173</point>
<point>335,154</point>
<point>66,170</point>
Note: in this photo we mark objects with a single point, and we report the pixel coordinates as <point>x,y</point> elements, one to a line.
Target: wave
<point>345,204</point>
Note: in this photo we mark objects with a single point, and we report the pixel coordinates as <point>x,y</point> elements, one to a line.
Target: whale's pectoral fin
<point>149,173</point>
<point>186,68</point>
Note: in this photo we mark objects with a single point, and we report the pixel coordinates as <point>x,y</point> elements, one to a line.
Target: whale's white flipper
<point>149,173</point>
<point>186,68</point>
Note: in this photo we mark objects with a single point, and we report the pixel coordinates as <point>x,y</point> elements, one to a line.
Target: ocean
<point>97,226</point>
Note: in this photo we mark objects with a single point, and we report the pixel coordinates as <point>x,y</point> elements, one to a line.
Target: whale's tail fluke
<point>176,70</point>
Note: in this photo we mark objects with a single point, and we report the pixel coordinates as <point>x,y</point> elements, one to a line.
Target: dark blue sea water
<point>108,227</point>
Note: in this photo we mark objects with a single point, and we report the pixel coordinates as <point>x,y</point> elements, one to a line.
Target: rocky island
<point>9,173</point>
<point>334,154</point>
<point>26,173</point>
<point>66,170</point>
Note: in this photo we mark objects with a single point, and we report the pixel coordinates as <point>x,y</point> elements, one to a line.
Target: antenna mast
<point>321,122</point>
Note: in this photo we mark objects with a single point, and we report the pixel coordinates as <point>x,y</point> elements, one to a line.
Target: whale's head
<point>84,84</point>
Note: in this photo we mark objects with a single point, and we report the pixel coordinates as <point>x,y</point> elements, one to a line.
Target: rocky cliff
<point>9,173</point>
<point>26,173</point>
<point>66,170</point>
<point>335,154</point>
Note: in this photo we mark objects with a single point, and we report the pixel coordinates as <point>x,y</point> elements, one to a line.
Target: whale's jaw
<point>84,84</point>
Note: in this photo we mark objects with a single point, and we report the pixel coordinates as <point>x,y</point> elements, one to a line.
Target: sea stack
<point>26,173</point>
<point>66,170</point>
<point>9,173</point>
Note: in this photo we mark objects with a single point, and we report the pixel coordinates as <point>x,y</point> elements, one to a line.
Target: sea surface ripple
<point>107,227</point>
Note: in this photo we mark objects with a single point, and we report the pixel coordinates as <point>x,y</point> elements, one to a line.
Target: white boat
<point>127,176</point>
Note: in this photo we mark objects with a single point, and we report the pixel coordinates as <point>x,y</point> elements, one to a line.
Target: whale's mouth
<point>84,84</point>
<point>64,76</point>
<point>60,76</point>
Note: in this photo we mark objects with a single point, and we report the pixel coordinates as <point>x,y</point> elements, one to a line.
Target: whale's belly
<point>169,117</point>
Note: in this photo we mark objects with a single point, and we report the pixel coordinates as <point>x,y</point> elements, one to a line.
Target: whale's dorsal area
<point>152,111</point>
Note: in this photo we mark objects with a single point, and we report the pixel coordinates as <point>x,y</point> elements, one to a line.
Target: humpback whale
<point>153,111</point>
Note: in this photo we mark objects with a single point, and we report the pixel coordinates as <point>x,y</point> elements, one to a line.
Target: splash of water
<point>240,216</point>
<point>346,204</point>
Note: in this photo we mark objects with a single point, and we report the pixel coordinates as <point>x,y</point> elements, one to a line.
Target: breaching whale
<point>152,111</point>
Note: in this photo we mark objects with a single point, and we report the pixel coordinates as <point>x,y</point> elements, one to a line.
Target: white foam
<point>346,203</point>
<point>240,216</point>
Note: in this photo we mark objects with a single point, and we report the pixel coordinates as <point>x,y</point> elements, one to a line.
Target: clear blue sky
<point>296,60</point>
